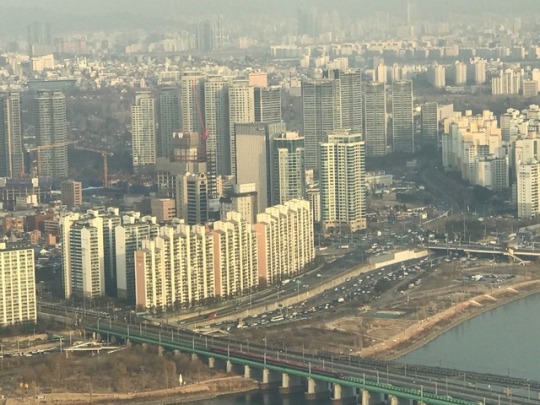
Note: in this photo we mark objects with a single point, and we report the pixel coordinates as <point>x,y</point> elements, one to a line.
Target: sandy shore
<point>203,390</point>
<point>430,328</point>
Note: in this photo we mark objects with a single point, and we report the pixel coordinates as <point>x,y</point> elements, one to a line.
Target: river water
<point>504,340</point>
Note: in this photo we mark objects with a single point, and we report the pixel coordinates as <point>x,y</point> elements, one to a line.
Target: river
<point>503,340</point>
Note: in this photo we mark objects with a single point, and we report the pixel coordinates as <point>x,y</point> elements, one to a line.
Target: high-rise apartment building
<point>343,205</point>
<point>285,241</point>
<point>83,255</point>
<point>241,110</point>
<point>321,99</point>
<point>169,119</point>
<point>402,116</point>
<point>216,112</point>
<point>288,176</point>
<point>143,130</point>
<point>267,101</point>
<point>235,258</point>
<point>375,131</point>
<point>351,98</point>
<point>175,269</point>
<point>192,101</point>
<point>429,118</point>
<point>71,193</point>
<point>128,238</point>
<point>11,150</point>
<point>17,286</point>
<point>528,189</point>
<point>460,73</point>
<point>51,131</point>
<point>436,75</point>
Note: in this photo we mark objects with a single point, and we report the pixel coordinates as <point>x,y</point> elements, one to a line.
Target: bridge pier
<point>289,384</point>
<point>268,379</point>
<point>394,400</point>
<point>194,357</point>
<point>336,394</point>
<point>247,371</point>
<point>211,362</point>
<point>371,398</point>
<point>315,390</point>
<point>229,366</point>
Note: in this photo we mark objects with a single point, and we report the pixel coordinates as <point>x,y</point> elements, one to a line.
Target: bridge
<point>516,254</point>
<point>345,378</point>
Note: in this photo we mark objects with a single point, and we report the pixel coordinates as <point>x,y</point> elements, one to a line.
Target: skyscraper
<point>351,99</point>
<point>254,157</point>
<point>51,129</point>
<point>11,151</point>
<point>288,167</point>
<point>241,110</point>
<point>143,130</point>
<point>374,102</point>
<point>192,101</point>
<point>343,205</point>
<point>267,104</point>
<point>430,124</point>
<point>216,112</point>
<point>210,34</point>
<point>169,119</point>
<point>402,116</point>
<point>321,99</point>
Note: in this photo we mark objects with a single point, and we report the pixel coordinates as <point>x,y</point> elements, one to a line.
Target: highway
<point>488,389</point>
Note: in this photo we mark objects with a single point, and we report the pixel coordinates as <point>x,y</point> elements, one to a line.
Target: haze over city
<point>269,202</point>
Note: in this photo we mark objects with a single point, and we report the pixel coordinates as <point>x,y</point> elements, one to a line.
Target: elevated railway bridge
<point>345,378</point>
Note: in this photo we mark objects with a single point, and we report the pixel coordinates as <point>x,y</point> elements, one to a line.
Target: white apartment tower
<point>342,179</point>
<point>288,167</point>
<point>175,268</point>
<point>143,130</point>
<point>528,188</point>
<point>84,256</point>
<point>285,240</point>
<point>51,129</point>
<point>11,148</point>
<point>235,258</point>
<point>241,111</point>
<point>17,286</point>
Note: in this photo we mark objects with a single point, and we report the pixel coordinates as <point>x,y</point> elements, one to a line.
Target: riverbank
<point>187,393</point>
<point>428,329</point>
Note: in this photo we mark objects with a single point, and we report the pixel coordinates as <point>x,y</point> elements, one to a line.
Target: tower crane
<point>105,155</point>
<point>40,148</point>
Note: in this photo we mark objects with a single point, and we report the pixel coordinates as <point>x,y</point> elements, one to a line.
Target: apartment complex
<point>184,265</point>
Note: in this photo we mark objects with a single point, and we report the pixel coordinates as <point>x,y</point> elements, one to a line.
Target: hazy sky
<point>69,15</point>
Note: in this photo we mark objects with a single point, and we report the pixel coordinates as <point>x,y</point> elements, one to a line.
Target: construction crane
<point>202,155</point>
<point>40,148</point>
<point>202,128</point>
<point>105,155</point>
